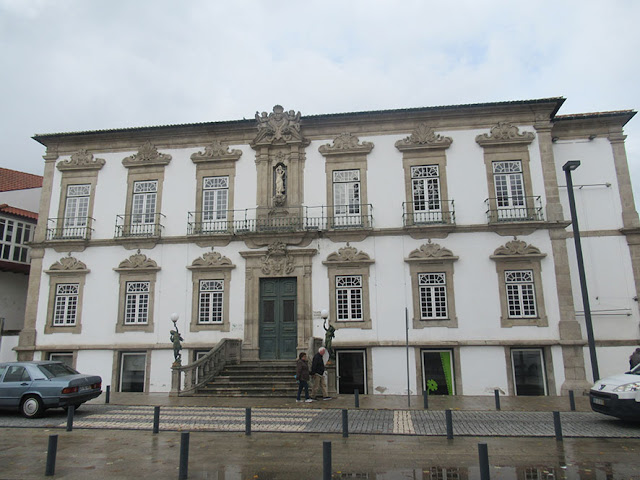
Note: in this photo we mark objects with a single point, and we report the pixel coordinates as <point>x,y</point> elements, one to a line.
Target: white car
<point>618,395</point>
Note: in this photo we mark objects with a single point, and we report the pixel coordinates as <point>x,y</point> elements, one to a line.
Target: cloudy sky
<point>70,65</point>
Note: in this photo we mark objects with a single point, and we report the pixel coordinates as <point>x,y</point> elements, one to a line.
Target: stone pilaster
<point>551,191</point>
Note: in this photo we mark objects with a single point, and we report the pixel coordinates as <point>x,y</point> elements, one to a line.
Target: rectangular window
<point>433,296</point>
<point>137,303</point>
<point>349,298</point>
<point>132,372</point>
<point>13,237</point>
<point>215,202</point>
<point>76,211</point>
<point>509,185</point>
<point>66,358</point>
<point>521,297</point>
<point>346,197</point>
<point>528,371</point>
<point>437,367</point>
<point>143,207</point>
<point>210,302</point>
<point>66,304</point>
<point>425,188</point>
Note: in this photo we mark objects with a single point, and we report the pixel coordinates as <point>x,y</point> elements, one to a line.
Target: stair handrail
<point>198,373</point>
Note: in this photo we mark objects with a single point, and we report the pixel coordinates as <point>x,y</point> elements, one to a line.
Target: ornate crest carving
<point>423,137</point>
<point>277,260</point>
<point>430,251</point>
<point>517,248</point>
<point>81,160</point>
<point>68,264</point>
<point>278,127</point>
<point>147,155</point>
<point>216,151</point>
<point>348,254</point>
<point>346,143</point>
<point>212,260</point>
<point>138,261</point>
<point>504,133</point>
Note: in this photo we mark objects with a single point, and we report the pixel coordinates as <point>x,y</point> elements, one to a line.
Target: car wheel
<point>31,406</point>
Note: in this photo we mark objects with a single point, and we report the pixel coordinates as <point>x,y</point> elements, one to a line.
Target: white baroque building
<point>452,221</point>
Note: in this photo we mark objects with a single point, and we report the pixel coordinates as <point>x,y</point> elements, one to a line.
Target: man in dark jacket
<point>317,373</point>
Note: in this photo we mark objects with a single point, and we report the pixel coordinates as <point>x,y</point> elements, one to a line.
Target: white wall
<point>13,299</point>
<point>7,345</point>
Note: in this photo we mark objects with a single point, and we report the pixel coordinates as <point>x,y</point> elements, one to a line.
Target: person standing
<point>302,374</point>
<point>634,359</point>
<point>317,370</point>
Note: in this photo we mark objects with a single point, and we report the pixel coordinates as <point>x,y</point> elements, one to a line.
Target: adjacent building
<point>438,240</point>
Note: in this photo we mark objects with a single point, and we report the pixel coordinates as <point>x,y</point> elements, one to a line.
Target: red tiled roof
<point>14,180</point>
<point>4,208</point>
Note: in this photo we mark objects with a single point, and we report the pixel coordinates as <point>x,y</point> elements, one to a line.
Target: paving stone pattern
<point>361,421</point>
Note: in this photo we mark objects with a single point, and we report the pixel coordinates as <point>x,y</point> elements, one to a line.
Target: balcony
<point>514,209</point>
<point>69,228</point>
<point>266,220</point>
<point>428,213</point>
<point>139,225</point>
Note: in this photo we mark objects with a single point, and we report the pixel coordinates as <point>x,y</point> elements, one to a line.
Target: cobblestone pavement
<point>313,420</point>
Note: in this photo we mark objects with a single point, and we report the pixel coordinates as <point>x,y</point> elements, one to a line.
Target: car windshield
<point>52,370</point>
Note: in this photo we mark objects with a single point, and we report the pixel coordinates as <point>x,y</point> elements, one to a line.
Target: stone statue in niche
<point>280,188</point>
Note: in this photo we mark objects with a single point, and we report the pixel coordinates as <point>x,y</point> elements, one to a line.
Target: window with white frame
<point>211,301</point>
<point>215,202</point>
<point>137,303</point>
<point>76,210</point>
<point>346,196</point>
<point>509,185</point>
<point>349,298</point>
<point>13,237</point>
<point>521,298</point>
<point>144,202</point>
<point>425,189</point>
<point>433,296</point>
<point>66,304</point>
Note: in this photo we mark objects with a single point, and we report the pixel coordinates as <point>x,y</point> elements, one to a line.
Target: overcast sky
<point>74,65</point>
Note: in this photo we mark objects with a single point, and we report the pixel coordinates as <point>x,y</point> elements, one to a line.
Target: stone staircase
<point>254,379</point>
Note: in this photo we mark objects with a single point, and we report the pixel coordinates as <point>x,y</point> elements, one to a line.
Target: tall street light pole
<point>568,168</point>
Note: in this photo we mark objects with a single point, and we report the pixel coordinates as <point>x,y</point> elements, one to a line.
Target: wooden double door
<point>278,318</point>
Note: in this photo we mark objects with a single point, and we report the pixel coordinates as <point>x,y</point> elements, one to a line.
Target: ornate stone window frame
<point>216,160</point>
<point>432,258</point>
<point>505,142</point>
<point>116,366</point>
<point>425,147</point>
<point>137,268</point>
<point>349,261</point>
<point>547,354</point>
<point>210,266</point>
<point>146,165</point>
<point>66,270</point>
<point>517,255</point>
<point>347,153</point>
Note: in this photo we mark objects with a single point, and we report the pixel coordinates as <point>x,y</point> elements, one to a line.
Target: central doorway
<point>278,318</point>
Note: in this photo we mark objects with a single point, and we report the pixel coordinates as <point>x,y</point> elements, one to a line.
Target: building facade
<point>438,239</point>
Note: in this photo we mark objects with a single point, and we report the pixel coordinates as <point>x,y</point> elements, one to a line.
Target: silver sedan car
<point>33,387</point>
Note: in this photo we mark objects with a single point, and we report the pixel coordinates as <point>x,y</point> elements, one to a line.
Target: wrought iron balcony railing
<point>514,209</point>
<point>428,213</point>
<point>69,228</point>
<point>139,225</point>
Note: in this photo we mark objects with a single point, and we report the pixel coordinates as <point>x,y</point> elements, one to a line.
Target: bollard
<point>496,392</point>
<point>156,419</point>
<point>357,397</point>
<point>572,401</point>
<point>483,455</point>
<point>557,425</point>
<point>425,399</point>
<point>247,421</point>
<point>70,413</point>
<point>108,394</point>
<point>184,456</point>
<point>345,423</point>
<point>326,460</point>
<point>449,419</point>
<point>52,450</point>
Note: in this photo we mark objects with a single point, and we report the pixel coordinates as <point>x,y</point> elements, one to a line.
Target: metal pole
<point>557,425</point>
<point>156,419</point>
<point>449,421</point>
<point>406,323</point>
<point>581,272</point>
<point>572,401</point>
<point>425,399</point>
<point>247,421</point>
<point>345,423</point>
<point>70,412</point>
<point>108,394</point>
<point>496,393</point>
<point>184,456</point>
<point>326,460</point>
<point>483,455</point>
<point>52,450</point>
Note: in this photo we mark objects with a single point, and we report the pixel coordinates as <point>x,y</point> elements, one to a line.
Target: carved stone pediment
<point>81,160</point>
<point>346,143</point>
<point>147,155</point>
<point>348,255</point>
<point>277,260</point>
<point>138,261</point>
<point>278,127</point>
<point>424,138</point>
<point>517,249</point>
<point>504,133</point>
<point>431,252</point>
<point>211,260</point>
<point>68,264</point>
<point>216,151</point>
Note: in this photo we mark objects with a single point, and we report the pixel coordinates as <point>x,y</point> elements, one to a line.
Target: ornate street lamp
<point>176,338</point>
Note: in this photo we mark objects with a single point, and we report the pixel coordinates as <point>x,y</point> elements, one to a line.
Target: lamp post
<point>568,168</point>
